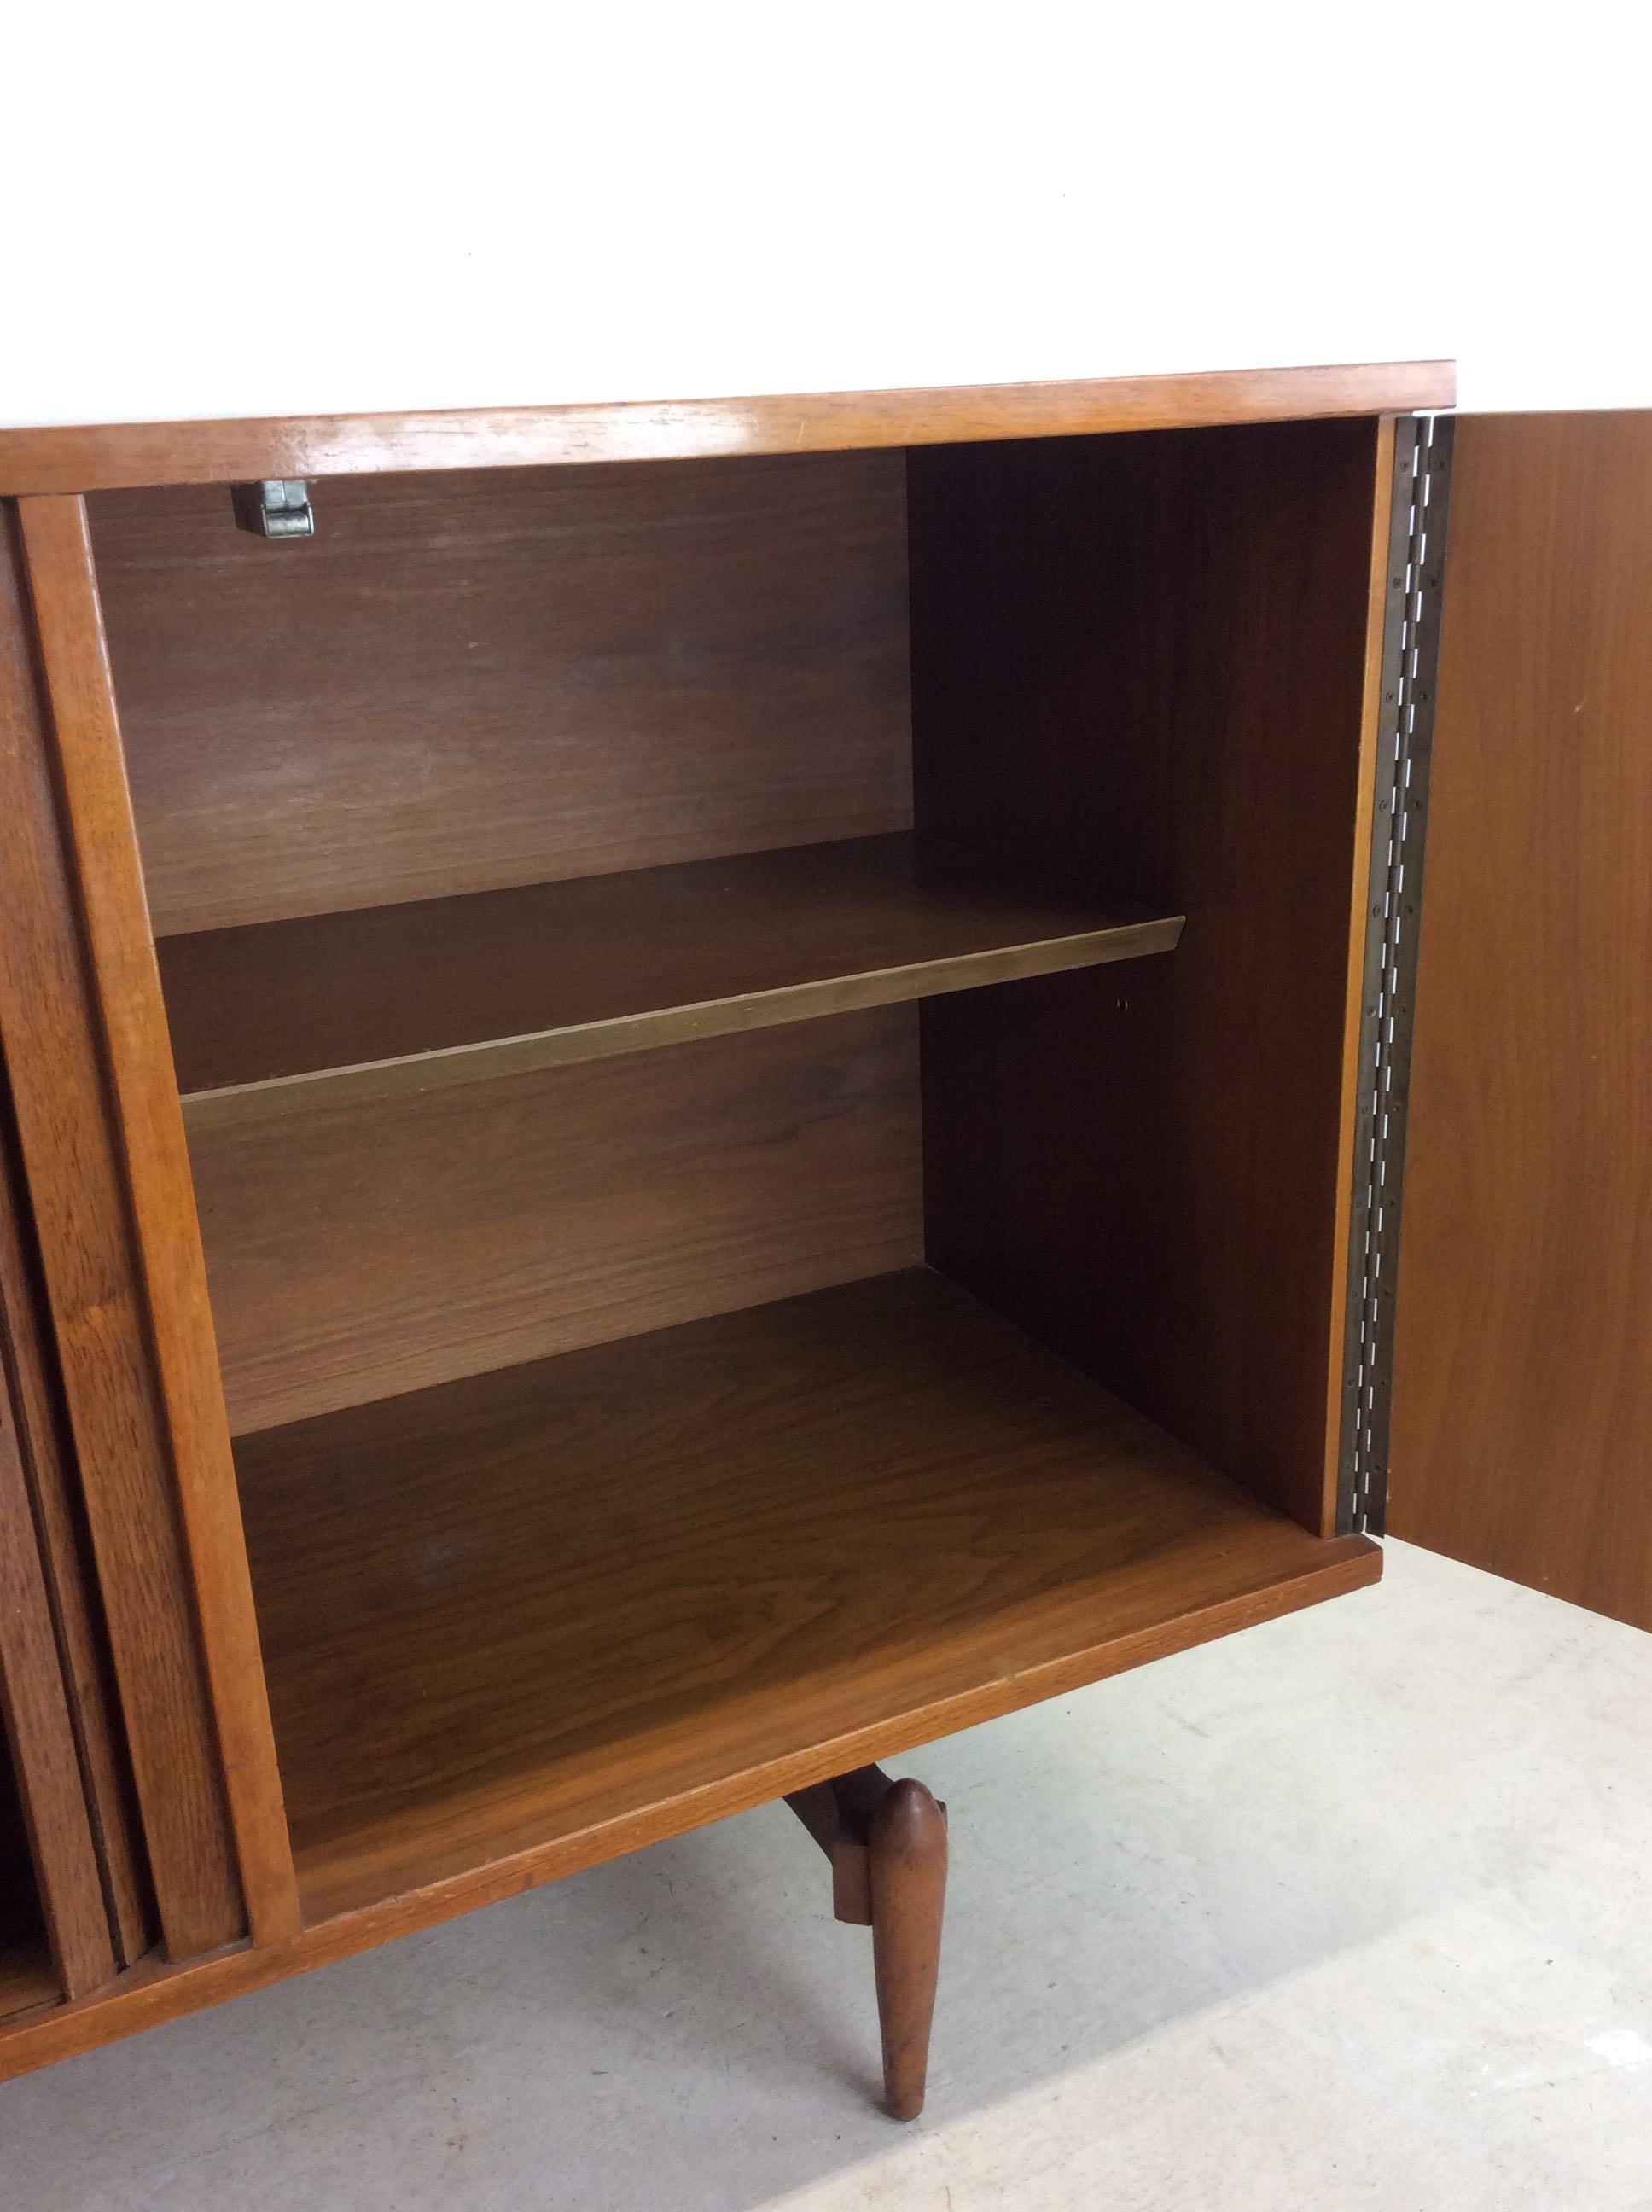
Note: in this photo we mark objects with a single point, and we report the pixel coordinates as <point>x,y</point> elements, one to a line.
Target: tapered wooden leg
<point>887,1843</point>
<point>907,1865</point>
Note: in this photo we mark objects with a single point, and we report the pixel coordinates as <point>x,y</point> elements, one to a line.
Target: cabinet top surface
<point>107,456</point>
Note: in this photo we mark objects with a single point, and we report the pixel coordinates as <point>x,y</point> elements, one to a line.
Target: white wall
<point>280,209</point>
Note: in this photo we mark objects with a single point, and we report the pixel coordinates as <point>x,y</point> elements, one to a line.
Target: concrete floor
<point>1354,1910</point>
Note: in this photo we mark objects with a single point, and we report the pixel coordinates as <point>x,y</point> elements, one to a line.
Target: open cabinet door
<point>1521,1423</point>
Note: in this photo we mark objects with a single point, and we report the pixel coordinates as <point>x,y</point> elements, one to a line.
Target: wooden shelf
<point>292,1013</point>
<point>563,1609</point>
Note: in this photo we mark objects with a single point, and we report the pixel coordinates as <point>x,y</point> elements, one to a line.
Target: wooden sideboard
<point>681,1108</point>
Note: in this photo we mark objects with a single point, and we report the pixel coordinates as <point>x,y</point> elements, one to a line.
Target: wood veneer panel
<point>537,1604</point>
<point>36,1723</point>
<point>93,457</point>
<point>295,1014</point>
<point>155,1991</point>
<point>1145,660</point>
<point>488,678</point>
<point>28,1369</point>
<point>73,1150</point>
<point>97,822</point>
<point>1521,1425</point>
<point>401,1242</point>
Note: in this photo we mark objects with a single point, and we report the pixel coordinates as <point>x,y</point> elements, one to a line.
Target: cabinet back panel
<point>470,680</point>
<point>1140,662</point>
<point>374,1249</point>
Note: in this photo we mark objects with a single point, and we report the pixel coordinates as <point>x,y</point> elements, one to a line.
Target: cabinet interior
<point>763,1046</point>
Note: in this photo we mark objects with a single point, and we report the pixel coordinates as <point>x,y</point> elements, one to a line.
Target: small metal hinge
<point>278,507</point>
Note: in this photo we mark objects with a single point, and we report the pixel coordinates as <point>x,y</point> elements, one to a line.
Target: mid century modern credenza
<point>691,1092</point>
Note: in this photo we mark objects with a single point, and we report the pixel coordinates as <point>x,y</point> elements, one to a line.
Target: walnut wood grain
<point>531,1606</point>
<point>155,1991</point>
<point>98,455</point>
<point>906,1854</point>
<point>471,681</point>
<point>37,1726</point>
<point>100,838</point>
<point>1142,661</point>
<point>886,1841</point>
<point>522,1620</point>
<point>29,1370</point>
<point>293,1015</point>
<point>1521,1423</point>
<point>844,1844</point>
<point>408,1241</point>
<point>838,1814</point>
<point>51,1030</point>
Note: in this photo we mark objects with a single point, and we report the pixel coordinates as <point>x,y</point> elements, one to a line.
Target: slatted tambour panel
<point>51,1477</point>
<point>78,1000</point>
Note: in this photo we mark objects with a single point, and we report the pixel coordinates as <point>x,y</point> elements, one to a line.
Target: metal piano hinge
<point>277,506</point>
<point>1411,649</point>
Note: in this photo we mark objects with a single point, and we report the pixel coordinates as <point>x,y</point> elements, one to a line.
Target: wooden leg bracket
<point>887,1844</point>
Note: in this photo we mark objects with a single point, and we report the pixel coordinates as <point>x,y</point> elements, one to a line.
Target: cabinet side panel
<point>1140,663</point>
